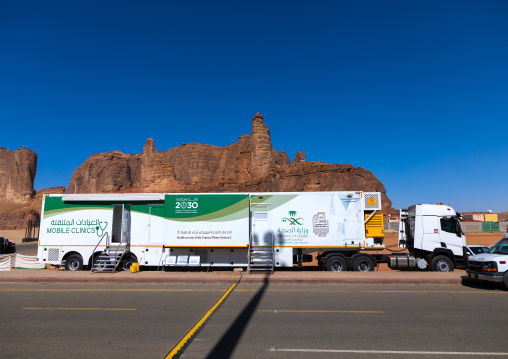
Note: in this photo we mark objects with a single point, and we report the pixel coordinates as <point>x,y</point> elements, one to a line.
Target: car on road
<point>6,246</point>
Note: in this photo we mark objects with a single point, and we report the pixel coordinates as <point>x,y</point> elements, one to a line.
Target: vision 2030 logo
<point>293,221</point>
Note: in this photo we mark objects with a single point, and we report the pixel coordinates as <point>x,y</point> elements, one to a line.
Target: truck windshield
<point>500,247</point>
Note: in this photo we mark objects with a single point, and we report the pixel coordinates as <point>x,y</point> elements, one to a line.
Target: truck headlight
<point>489,267</point>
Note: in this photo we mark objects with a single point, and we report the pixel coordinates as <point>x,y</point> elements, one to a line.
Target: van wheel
<point>441,264</point>
<point>74,262</point>
<point>363,264</point>
<point>336,264</point>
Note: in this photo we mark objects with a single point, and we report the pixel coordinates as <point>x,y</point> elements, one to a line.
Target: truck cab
<point>432,234</point>
<point>491,266</point>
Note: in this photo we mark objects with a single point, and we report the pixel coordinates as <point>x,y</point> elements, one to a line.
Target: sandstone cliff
<point>249,165</point>
<point>17,175</point>
<point>106,172</point>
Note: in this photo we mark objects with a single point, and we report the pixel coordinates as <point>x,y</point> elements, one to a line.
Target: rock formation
<point>249,165</point>
<point>106,172</point>
<point>179,168</point>
<point>17,175</point>
<point>299,157</point>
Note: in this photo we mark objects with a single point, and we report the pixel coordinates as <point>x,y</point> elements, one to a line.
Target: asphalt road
<point>254,321</point>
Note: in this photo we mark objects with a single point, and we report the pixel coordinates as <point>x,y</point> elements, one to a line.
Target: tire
<point>363,264</point>
<point>441,264</point>
<point>336,264</point>
<point>126,263</point>
<point>101,265</point>
<point>505,280</point>
<point>74,262</point>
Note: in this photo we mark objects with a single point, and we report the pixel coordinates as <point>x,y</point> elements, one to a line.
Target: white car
<point>472,249</point>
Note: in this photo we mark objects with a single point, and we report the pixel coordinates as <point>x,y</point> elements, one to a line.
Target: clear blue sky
<point>415,91</point>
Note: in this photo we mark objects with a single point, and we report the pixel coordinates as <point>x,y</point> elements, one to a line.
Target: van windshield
<point>500,247</point>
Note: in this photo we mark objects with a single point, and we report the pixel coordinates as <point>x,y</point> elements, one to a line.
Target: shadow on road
<point>226,345</point>
<point>470,283</point>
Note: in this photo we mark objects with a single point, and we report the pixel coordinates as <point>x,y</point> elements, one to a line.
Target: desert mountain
<point>249,165</point>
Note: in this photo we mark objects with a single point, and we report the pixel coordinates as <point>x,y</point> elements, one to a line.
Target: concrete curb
<point>426,278</point>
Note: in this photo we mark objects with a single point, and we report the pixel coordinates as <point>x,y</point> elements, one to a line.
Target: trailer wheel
<point>363,264</point>
<point>74,262</point>
<point>126,263</point>
<point>441,264</point>
<point>505,280</point>
<point>336,264</point>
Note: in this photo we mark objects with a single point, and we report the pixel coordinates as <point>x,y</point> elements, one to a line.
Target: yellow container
<point>134,267</point>
<point>374,228</point>
<point>491,217</point>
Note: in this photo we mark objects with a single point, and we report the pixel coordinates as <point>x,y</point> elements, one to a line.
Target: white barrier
<point>16,260</point>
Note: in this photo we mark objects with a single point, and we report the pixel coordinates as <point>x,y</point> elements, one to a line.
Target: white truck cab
<point>491,266</point>
<point>433,237</point>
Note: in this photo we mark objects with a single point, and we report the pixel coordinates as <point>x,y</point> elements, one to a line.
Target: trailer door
<point>121,223</point>
<point>262,234</point>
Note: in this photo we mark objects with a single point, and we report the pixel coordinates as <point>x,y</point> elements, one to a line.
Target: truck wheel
<point>505,280</point>
<point>74,262</point>
<point>126,263</point>
<point>336,264</point>
<point>441,264</point>
<point>363,264</point>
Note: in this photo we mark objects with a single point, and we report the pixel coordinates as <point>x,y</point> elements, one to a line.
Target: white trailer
<point>258,231</point>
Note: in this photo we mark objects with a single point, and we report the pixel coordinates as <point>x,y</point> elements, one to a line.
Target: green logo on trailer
<point>292,220</point>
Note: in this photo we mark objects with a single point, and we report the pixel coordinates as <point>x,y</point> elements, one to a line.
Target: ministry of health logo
<point>292,219</point>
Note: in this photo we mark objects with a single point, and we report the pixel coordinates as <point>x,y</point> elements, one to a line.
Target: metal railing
<point>93,252</point>
<point>126,234</point>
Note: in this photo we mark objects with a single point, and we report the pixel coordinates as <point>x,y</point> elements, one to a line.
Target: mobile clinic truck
<point>257,231</point>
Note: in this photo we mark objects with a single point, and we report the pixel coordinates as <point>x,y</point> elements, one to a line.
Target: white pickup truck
<point>491,266</point>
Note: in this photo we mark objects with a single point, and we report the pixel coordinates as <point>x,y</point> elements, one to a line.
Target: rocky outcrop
<point>261,145</point>
<point>106,172</point>
<point>17,175</point>
<point>249,165</point>
<point>174,170</point>
<point>299,157</point>
<point>16,215</point>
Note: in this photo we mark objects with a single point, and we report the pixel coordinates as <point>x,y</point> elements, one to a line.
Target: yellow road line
<point>93,309</point>
<point>189,335</point>
<point>324,311</point>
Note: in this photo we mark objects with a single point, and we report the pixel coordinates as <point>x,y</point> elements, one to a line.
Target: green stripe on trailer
<point>207,207</point>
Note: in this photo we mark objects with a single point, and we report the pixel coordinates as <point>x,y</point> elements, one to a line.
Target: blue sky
<point>414,91</point>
